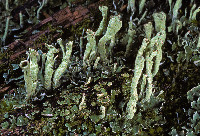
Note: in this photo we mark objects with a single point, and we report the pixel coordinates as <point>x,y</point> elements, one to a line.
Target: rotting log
<point>64,17</point>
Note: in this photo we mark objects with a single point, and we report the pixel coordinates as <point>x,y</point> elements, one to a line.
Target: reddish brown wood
<point>64,17</point>
<point>2,90</point>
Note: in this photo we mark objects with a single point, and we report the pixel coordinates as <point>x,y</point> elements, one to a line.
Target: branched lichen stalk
<point>195,13</point>
<point>41,6</point>
<point>104,10</point>
<point>64,64</point>
<point>113,27</point>
<point>49,66</point>
<point>177,6</point>
<point>160,21</point>
<point>191,11</point>
<point>90,50</point>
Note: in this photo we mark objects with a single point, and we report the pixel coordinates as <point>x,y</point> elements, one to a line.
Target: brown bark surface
<point>65,17</point>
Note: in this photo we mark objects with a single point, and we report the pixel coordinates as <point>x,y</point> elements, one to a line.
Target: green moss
<point>78,28</point>
<point>156,131</point>
<point>5,107</point>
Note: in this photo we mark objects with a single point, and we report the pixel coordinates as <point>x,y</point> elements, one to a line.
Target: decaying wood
<point>2,90</point>
<point>64,17</point>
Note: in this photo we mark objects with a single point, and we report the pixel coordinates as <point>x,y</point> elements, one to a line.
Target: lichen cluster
<point>31,69</point>
<point>127,76</point>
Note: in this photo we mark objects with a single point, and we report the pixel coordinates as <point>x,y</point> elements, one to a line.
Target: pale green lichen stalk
<point>131,33</point>
<point>49,66</point>
<point>33,73</point>
<point>198,44</point>
<point>131,6</point>
<point>104,10</point>
<point>195,13</point>
<point>34,68</point>
<point>170,5</point>
<point>82,104</point>
<point>139,65</point>
<point>113,27</point>
<point>159,19</point>
<point>6,30</point>
<point>25,66</point>
<point>64,64</point>
<point>31,69</point>
<point>148,29</point>
<point>93,51</point>
<point>191,11</point>
<point>149,65</point>
<point>90,50</point>
<point>149,50</point>
<point>177,6</point>
<point>161,40</point>
<point>141,6</point>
